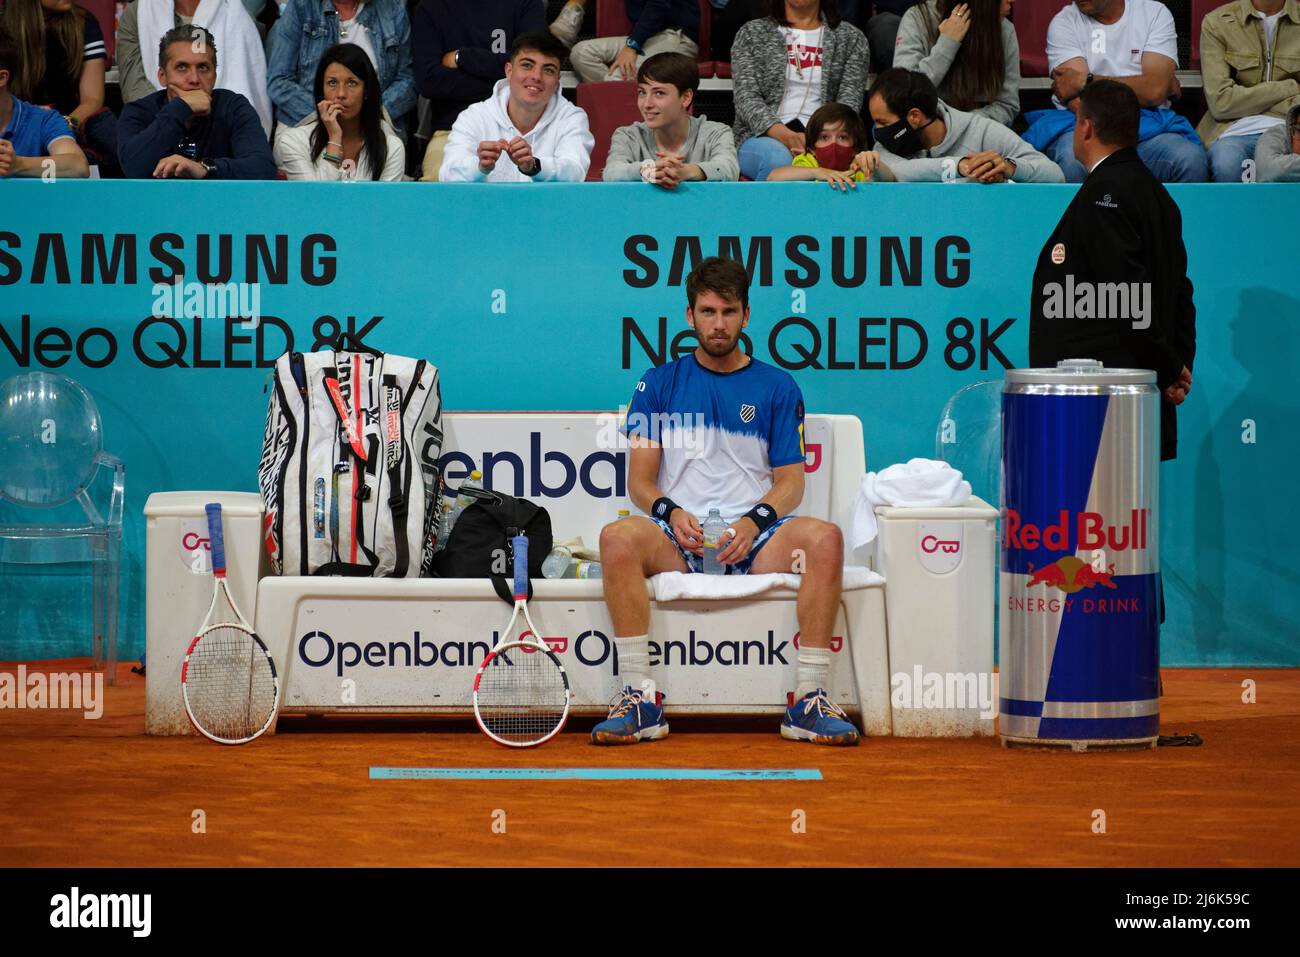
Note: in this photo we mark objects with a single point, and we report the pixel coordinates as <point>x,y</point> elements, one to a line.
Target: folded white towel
<point>918,483</point>
<point>670,586</point>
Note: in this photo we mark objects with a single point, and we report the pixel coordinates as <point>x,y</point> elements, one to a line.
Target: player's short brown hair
<point>723,277</point>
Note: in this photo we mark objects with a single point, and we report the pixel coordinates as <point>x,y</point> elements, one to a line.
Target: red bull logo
<point>1091,531</point>
<point>1070,574</point>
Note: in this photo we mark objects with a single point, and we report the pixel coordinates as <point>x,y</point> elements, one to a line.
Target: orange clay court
<point>102,793</point>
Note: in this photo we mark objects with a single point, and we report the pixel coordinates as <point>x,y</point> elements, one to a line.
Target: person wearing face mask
<point>919,138</point>
<point>836,135</point>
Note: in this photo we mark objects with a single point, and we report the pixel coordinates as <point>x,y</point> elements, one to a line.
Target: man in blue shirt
<point>658,26</point>
<point>188,130</point>
<point>34,141</point>
<point>719,429</point>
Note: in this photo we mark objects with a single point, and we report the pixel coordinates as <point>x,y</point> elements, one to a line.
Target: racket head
<point>229,684</point>
<point>521,694</point>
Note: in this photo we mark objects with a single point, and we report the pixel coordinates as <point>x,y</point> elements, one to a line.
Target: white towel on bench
<point>671,586</point>
<point>917,483</point>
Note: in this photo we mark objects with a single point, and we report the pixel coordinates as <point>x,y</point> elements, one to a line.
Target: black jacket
<point>482,31</point>
<point>230,136</point>
<point>1121,227</point>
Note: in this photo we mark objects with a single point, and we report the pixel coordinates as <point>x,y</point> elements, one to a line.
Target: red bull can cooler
<point>1079,662</point>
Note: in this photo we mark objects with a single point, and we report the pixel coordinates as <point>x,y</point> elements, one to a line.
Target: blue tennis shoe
<point>818,719</point>
<point>633,716</point>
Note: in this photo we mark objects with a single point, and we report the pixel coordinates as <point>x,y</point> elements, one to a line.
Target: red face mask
<point>834,156</point>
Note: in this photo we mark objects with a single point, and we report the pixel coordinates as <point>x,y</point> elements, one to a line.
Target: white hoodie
<point>561,142</point>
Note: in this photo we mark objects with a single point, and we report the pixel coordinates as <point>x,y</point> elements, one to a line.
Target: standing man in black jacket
<point>1111,281</point>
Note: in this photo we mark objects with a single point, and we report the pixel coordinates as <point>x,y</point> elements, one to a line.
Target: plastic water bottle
<point>715,530</point>
<point>475,480</point>
<point>586,569</point>
<point>557,563</point>
<point>443,519</point>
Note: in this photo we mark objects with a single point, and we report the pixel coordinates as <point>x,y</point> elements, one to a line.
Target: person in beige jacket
<point>1250,62</point>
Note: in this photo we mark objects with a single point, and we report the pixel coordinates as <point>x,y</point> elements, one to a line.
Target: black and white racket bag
<point>348,472</point>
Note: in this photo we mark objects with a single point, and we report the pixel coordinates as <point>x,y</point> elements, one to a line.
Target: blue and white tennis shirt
<point>721,433</point>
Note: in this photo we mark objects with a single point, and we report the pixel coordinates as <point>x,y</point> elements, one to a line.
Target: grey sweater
<point>921,47</point>
<point>709,145</point>
<point>970,133</point>
<point>1274,161</point>
<point>758,62</point>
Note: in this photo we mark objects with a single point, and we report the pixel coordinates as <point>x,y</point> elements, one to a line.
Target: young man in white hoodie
<point>526,131</point>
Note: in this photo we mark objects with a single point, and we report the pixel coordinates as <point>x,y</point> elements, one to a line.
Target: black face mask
<point>900,138</point>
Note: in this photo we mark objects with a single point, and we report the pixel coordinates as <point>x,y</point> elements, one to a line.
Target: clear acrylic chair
<point>51,451</point>
<point>969,437</point>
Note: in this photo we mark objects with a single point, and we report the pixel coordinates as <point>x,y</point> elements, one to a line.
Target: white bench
<point>411,646</point>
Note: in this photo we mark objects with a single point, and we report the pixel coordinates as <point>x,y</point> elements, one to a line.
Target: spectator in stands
<point>188,129</point>
<point>141,28</point>
<point>307,28</point>
<point>350,135</point>
<point>460,51</point>
<point>670,146</point>
<point>969,51</point>
<point>527,131</point>
<point>64,70</point>
<point>1133,42</point>
<point>1246,93</point>
<point>919,138</point>
<point>784,66</point>
<point>1277,156</point>
<point>728,17</point>
<point>836,135</point>
<point>882,27</point>
<point>658,26</point>
<point>33,140</point>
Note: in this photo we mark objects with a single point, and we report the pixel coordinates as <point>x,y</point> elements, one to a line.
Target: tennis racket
<point>228,677</point>
<point>521,691</point>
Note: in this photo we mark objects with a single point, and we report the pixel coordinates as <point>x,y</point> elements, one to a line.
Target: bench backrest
<point>575,464</point>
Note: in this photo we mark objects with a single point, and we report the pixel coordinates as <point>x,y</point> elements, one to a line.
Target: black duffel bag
<point>480,545</point>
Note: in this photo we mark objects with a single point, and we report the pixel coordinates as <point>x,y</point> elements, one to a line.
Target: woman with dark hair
<point>835,135</point>
<point>306,28</point>
<point>968,50</point>
<point>786,65</point>
<point>350,136</point>
<point>63,67</point>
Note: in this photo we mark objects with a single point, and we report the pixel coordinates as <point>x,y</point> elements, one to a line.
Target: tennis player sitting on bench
<point>718,429</point>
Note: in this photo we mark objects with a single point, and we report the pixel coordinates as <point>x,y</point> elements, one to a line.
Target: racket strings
<point>525,700</point>
<point>230,684</point>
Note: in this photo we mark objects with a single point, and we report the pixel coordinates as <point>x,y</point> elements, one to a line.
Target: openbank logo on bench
<point>541,472</point>
<point>593,648</point>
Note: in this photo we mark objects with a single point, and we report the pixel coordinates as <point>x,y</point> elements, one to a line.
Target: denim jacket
<point>304,32</point>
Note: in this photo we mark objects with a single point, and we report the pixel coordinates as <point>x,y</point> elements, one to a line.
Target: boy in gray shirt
<point>670,146</point>
<point>919,138</point>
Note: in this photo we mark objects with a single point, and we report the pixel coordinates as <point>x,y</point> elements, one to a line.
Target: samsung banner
<point>170,302</point>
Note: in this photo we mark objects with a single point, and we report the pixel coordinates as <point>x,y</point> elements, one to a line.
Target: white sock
<point>633,660</point>
<point>814,670</point>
